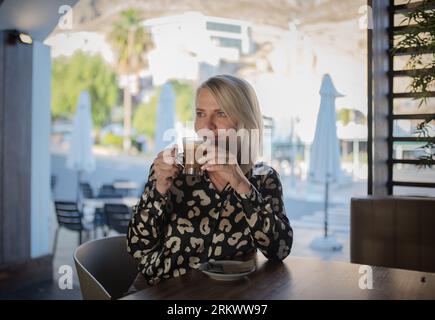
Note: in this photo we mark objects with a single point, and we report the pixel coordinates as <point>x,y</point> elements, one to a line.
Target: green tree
<point>184,100</point>
<point>131,42</point>
<point>144,119</point>
<point>71,75</point>
<point>347,115</point>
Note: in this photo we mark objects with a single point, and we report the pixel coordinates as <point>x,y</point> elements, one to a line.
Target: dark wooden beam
<point>370,106</point>
<point>413,139</point>
<point>409,7</point>
<point>402,95</point>
<point>412,73</point>
<point>15,177</point>
<point>381,102</point>
<point>414,184</point>
<point>411,29</point>
<point>419,116</point>
<point>390,98</point>
<point>411,51</point>
<point>413,162</point>
<point>2,97</point>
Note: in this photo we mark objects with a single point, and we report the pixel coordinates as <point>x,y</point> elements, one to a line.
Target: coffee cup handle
<point>179,159</point>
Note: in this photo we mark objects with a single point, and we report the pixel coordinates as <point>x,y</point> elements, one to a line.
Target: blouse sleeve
<point>265,213</point>
<point>146,229</point>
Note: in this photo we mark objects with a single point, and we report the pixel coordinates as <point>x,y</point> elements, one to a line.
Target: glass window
<point>215,26</point>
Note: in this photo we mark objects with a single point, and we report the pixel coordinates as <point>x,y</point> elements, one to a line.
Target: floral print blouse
<point>194,223</point>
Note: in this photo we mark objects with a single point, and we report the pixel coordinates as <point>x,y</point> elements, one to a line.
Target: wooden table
<point>90,205</point>
<point>296,278</point>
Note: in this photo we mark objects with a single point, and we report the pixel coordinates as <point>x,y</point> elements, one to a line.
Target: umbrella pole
<point>326,208</point>
<point>79,176</point>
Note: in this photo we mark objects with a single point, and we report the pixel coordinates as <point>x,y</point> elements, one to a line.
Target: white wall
<point>42,215</point>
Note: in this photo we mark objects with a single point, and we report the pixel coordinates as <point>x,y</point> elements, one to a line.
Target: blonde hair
<point>237,98</point>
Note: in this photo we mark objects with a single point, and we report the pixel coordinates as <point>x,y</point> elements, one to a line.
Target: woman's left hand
<point>225,165</point>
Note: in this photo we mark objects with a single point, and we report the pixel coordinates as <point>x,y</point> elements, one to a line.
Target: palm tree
<point>131,42</point>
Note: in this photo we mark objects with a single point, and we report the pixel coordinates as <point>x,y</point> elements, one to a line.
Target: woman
<point>228,212</point>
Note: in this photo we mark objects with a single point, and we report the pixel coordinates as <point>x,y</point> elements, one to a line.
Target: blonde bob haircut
<point>237,98</point>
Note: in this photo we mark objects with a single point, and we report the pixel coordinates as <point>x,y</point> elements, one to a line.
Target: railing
<point>399,100</point>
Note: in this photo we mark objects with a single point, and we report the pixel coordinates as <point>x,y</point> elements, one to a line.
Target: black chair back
<point>87,191</point>
<point>68,215</point>
<point>108,191</point>
<point>122,191</point>
<point>53,182</point>
<point>118,217</point>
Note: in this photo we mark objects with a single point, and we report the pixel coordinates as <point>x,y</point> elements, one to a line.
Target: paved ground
<point>304,204</point>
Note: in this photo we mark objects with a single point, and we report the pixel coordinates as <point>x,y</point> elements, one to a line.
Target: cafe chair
<point>395,232</point>
<point>71,218</point>
<point>105,268</point>
<point>117,217</point>
<point>108,191</point>
<point>86,190</point>
<point>53,184</point>
<point>125,191</point>
<point>88,193</point>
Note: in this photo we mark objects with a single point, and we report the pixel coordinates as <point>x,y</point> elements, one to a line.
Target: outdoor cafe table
<point>296,278</point>
<point>127,186</point>
<point>100,202</point>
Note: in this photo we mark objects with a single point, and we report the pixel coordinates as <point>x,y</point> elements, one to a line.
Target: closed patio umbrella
<point>325,155</point>
<point>165,120</point>
<point>80,156</point>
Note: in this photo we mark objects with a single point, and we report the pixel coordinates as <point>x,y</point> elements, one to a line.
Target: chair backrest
<point>53,182</point>
<point>125,192</point>
<point>105,268</point>
<point>395,232</point>
<point>117,217</point>
<point>108,191</point>
<point>68,215</point>
<point>87,191</point>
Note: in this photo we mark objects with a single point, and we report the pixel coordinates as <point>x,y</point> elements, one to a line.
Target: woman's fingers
<point>165,170</point>
<point>214,167</point>
<point>206,158</point>
<point>168,155</point>
<point>164,163</point>
<point>170,150</point>
<point>172,174</point>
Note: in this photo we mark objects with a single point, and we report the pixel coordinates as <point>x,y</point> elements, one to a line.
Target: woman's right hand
<point>166,169</point>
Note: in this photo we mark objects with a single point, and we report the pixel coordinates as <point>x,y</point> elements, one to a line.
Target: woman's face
<point>209,115</point>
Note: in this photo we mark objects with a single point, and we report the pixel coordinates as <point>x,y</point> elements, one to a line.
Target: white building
<point>184,42</point>
<point>67,43</point>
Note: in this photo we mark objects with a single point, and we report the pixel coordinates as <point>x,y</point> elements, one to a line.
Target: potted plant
<point>419,36</point>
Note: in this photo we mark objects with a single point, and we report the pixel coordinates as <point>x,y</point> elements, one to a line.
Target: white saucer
<point>227,276</point>
<point>215,269</point>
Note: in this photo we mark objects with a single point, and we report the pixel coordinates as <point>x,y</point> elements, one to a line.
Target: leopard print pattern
<point>193,223</point>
